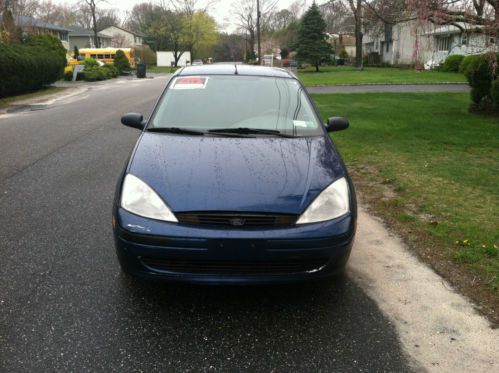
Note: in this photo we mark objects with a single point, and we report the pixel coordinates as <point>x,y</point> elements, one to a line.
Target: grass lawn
<point>6,101</point>
<point>161,69</point>
<point>430,168</point>
<point>333,75</point>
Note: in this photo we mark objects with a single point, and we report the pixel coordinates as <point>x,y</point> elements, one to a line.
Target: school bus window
<point>100,56</point>
<point>93,56</point>
<point>107,56</point>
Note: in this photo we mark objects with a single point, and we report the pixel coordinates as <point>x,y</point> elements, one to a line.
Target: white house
<point>409,42</point>
<point>461,39</point>
<point>167,59</point>
<point>123,38</point>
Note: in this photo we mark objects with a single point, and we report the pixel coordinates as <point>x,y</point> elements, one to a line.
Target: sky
<point>221,11</point>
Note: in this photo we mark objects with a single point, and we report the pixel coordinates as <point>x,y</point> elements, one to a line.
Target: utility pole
<point>258,31</point>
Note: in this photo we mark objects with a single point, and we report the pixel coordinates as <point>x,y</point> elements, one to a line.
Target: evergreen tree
<point>312,45</point>
<point>121,62</point>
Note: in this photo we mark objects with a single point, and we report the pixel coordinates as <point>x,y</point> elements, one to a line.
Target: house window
<point>464,39</point>
<point>443,43</point>
<point>63,36</point>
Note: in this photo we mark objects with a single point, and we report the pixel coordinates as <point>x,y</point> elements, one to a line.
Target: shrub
<point>96,73</point>
<point>453,62</point>
<point>111,71</point>
<point>121,62</point>
<point>494,94</point>
<point>479,76</point>
<point>37,62</point>
<point>92,74</point>
<point>90,63</point>
<point>466,62</point>
<point>343,53</point>
<point>68,76</point>
<point>146,55</point>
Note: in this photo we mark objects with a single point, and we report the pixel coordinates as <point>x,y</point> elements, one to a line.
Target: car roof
<point>233,69</point>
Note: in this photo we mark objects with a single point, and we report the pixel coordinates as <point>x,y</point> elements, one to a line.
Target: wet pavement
<point>65,306</point>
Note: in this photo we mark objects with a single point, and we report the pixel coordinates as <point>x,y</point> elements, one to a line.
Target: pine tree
<point>312,45</point>
<point>121,62</point>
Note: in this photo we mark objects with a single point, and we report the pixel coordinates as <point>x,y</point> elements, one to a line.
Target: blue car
<point>234,180</point>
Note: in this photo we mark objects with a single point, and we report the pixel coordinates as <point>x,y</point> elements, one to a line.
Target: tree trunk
<point>358,48</point>
<point>251,46</point>
<point>317,66</point>
<point>358,35</point>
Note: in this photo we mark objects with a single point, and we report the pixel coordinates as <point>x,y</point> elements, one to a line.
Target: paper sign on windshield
<point>191,82</point>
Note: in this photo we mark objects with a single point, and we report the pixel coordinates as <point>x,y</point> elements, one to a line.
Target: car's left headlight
<point>332,202</point>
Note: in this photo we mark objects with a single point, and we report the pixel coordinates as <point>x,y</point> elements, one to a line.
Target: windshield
<point>229,102</point>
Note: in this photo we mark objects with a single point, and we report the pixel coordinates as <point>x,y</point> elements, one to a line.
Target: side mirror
<point>337,124</point>
<point>134,120</point>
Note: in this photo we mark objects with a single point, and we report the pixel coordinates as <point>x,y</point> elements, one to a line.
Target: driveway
<point>65,306</point>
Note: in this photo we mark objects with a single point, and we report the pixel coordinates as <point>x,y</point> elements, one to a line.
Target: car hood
<point>258,174</point>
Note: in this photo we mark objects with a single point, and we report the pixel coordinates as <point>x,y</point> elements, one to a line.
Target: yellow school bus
<point>105,55</point>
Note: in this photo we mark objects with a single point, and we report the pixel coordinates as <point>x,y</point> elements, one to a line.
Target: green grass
<point>161,69</point>
<point>6,101</point>
<point>432,166</point>
<point>333,75</point>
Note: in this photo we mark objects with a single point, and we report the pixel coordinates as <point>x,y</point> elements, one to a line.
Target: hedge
<point>466,62</point>
<point>494,93</point>
<point>93,72</point>
<point>453,62</point>
<point>28,66</point>
<point>481,75</point>
<point>121,62</point>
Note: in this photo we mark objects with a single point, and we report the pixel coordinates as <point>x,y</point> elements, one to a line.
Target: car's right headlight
<point>138,198</point>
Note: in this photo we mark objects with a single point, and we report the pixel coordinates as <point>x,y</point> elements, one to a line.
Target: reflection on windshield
<point>214,102</point>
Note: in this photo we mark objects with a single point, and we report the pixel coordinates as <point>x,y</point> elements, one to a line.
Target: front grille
<point>206,267</point>
<point>236,220</point>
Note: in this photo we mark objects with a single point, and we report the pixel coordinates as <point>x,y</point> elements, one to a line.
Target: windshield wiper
<point>249,131</point>
<point>178,130</point>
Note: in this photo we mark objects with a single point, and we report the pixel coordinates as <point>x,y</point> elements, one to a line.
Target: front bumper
<point>154,249</point>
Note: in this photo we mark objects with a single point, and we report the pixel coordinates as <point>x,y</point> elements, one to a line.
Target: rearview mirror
<point>134,120</point>
<point>337,124</point>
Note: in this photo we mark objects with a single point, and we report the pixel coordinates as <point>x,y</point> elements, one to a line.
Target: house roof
<point>453,29</point>
<point>80,31</point>
<point>124,29</point>
<point>24,21</point>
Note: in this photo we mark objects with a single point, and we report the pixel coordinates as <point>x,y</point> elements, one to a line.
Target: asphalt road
<point>65,306</point>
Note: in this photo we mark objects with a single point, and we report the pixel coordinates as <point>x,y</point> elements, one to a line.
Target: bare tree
<point>357,9</point>
<point>62,14</point>
<point>118,41</point>
<point>246,19</point>
<point>107,18</point>
<point>91,7</point>
<point>140,17</point>
<point>22,7</point>
<point>338,17</point>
